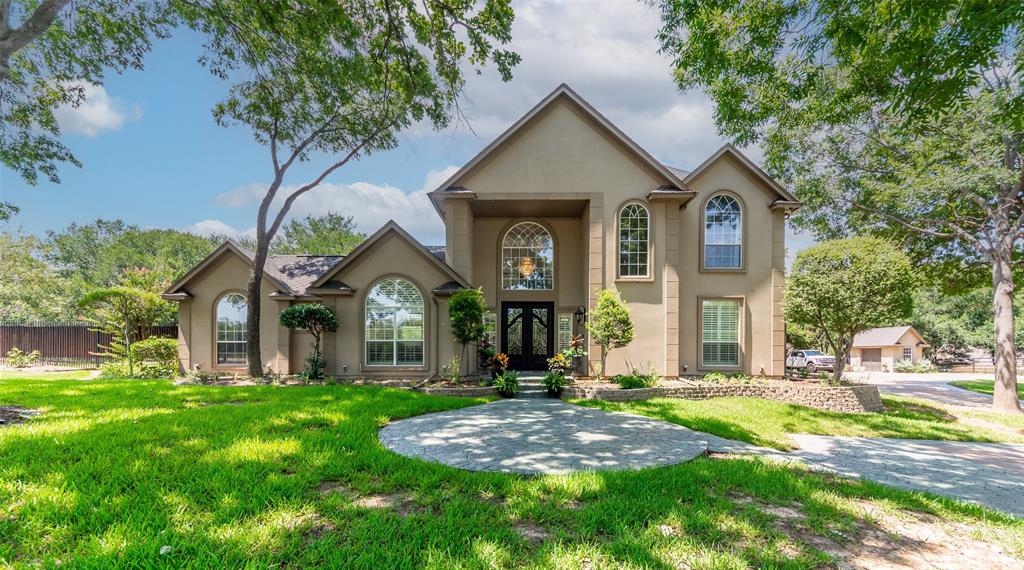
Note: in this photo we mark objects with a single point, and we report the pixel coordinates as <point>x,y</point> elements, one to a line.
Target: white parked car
<point>812,360</point>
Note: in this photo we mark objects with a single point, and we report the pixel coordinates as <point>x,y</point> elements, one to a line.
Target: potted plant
<point>575,352</point>
<point>485,352</point>
<point>498,364</point>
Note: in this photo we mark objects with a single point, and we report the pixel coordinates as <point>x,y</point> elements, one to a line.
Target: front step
<point>532,389</point>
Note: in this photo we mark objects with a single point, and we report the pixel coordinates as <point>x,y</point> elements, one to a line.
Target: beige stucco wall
<point>390,256</point>
<point>563,154</point>
<point>197,315</point>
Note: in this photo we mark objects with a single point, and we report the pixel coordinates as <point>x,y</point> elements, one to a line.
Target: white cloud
<point>371,205</point>
<point>98,112</point>
<point>212,227</point>
<point>608,53</point>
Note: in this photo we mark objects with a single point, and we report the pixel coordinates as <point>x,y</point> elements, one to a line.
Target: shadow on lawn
<point>237,485</point>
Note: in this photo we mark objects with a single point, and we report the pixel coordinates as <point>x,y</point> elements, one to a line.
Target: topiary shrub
<point>317,319</point>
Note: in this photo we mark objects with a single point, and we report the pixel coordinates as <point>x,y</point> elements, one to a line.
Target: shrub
<point>553,382</point>
<point>631,381</point>
<point>466,317</point>
<point>17,358</point>
<point>156,350</point>
<point>922,367</point>
<point>507,383</point>
<point>715,377</point>
<point>115,369</point>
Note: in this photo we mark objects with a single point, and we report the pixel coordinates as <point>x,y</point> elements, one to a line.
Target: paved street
<point>541,436</point>
<point>933,387</point>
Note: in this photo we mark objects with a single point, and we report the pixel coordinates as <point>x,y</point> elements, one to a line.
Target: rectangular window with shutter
<point>564,331</point>
<point>720,333</point>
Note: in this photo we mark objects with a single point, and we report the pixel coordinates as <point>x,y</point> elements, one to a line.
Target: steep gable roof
<point>563,91</point>
<point>783,196</point>
<point>390,227</point>
<point>291,274</point>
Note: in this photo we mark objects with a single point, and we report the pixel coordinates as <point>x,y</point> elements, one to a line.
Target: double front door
<point>528,334</point>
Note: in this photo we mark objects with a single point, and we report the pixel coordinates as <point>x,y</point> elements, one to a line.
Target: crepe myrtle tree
<point>610,325</point>
<point>331,82</point>
<point>898,119</point>
<point>316,319</point>
<point>839,288</point>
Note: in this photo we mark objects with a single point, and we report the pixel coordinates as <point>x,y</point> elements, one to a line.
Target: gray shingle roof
<point>436,250</point>
<point>882,336</point>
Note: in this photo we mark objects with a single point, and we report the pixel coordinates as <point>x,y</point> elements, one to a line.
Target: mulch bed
<point>10,415</point>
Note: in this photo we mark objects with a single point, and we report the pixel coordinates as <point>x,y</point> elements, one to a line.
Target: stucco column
<point>185,335</point>
<point>459,237</point>
<point>671,288</point>
<point>329,346</point>
<point>778,289</point>
<point>595,264</point>
<point>284,338</point>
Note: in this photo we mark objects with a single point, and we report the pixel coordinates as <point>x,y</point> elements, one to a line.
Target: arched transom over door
<point>527,258</point>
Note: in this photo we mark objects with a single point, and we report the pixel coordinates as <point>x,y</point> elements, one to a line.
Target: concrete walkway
<point>544,436</point>
<point>535,436</point>
<point>990,474</point>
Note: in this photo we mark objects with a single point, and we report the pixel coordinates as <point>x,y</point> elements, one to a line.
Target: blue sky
<point>153,156</point>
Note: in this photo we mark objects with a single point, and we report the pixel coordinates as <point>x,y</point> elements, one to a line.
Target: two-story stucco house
<point>560,206</point>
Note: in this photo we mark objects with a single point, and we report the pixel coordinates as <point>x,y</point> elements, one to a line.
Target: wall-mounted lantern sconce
<point>581,315</point>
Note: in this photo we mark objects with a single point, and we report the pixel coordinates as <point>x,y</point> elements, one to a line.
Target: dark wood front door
<point>528,334</point>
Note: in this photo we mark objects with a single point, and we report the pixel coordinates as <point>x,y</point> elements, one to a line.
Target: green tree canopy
<point>903,119</point>
<point>50,51</point>
<point>338,80</point>
<point>839,288</point>
<point>329,234</point>
<point>609,324</point>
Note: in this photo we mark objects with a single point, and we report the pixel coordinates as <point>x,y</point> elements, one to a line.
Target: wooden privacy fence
<point>64,344</point>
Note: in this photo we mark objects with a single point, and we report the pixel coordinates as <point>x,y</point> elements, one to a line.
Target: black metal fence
<point>64,344</point>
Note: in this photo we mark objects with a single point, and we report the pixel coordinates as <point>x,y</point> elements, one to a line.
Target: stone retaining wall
<point>462,391</point>
<point>857,398</point>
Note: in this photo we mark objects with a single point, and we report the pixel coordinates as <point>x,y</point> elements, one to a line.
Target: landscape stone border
<point>857,398</point>
<point>463,391</point>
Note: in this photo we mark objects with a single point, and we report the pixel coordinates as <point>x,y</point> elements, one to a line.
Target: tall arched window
<point>394,324</point>
<point>723,233</point>
<point>634,240</point>
<point>232,310</point>
<point>527,258</point>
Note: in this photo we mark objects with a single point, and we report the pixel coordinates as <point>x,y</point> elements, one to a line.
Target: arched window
<point>232,310</point>
<point>527,258</point>
<point>723,233</point>
<point>394,324</point>
<point>634,239</point>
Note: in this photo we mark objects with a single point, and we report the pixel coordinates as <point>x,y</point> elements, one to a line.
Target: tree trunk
<point>1005,396</point>
<point>252,318</point>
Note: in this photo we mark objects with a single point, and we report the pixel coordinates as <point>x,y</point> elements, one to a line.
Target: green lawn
<point>766,423</point>
<point>985,386</point>
<point>112,472</point>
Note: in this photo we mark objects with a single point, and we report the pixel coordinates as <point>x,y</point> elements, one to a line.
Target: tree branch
<point>12,40</point>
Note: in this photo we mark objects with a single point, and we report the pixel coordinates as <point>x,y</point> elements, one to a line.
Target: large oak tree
<point>337,81</point>
<point>904,119</point>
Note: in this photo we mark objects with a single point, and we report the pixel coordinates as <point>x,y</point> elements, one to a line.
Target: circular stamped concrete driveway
<point>536,436</point>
